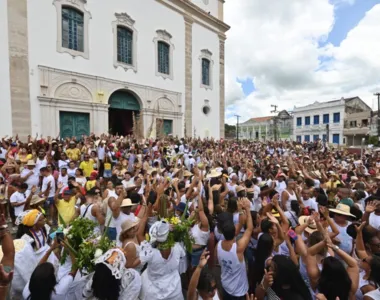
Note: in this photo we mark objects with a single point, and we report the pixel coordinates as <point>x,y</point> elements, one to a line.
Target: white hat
<point>127,202</point>
<point>214,173</point>
<point>159,231</point>
<point>30,162</point>
<point>342,209</point>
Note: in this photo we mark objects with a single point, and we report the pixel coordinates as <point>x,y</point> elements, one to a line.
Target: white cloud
<point>277,43</point>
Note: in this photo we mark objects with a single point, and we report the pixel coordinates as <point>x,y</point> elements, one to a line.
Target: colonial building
<point>345,121</point>
<point>268,128</point>
<point>81,66</point>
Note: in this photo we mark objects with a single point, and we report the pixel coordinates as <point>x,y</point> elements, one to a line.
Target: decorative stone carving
<point>165,104</point>
<point>163,35</point>
<point>206,53</point>
<point>73,91</point>
<point>125,19</point>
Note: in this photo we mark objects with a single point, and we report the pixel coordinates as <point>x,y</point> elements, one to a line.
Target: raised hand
<point>272,218</point>
<point>360,228</point>
<point>268,279</point>
<point>204,258</point>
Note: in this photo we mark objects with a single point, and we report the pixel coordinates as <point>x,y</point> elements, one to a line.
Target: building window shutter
<point>124,45</point>
<point>72,29</point>
<point>163,57</point>
<point>205,71</point>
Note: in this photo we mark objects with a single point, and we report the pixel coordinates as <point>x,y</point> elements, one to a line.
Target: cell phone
<point>292,234</point>
<point>60,236</point>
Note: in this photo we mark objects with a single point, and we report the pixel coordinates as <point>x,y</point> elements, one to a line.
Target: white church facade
<point>82,66</point>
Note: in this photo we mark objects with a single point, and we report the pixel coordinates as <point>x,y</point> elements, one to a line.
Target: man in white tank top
<point>231,258</point>
<point>92,211</point>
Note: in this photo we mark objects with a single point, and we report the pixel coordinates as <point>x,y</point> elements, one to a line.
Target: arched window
<point>205,71</point>
<point>163,50</point>
<point>124,45</point>
<point>72,29</point>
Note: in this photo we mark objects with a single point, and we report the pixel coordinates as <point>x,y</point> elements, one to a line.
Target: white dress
<point>161,279</point>
<point>130,287</point>
<point>26,260</point>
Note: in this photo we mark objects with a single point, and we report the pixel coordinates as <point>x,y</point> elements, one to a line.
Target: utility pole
<point>378,115</point>
<point>274,121</point>
<point>237,127</point>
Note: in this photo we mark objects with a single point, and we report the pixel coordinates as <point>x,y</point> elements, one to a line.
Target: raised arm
<point>244,241</point>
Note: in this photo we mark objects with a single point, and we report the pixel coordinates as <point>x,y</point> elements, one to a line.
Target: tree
<point>229,131</point>
<point>373,140</point>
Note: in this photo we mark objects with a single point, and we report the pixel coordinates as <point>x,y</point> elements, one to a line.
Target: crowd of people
<point>268,220</point>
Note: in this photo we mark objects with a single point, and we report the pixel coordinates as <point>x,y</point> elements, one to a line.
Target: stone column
<point>188,130</point>
<point>222,39</point>
<point>19,67</point>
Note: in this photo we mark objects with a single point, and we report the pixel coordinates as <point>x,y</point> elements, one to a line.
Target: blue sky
<point>295,52</point>
<point>347,16</point>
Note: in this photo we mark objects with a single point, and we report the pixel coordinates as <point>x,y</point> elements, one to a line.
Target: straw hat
<point>127,202</point>
<point>250,190</point>
<point>186,173</point>
<point>240,188</point>
<point>214,174</point>
<point>128,224</point>
<point>151,170</point>
<point>31,163</point>
<point>342,209</point>
<point>19,245</point>
<point>36,200</point>
<point>309,229</point>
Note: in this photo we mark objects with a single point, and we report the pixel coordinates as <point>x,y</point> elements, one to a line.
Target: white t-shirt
<point>40,164</point>
<point>71,172</point>
<point>374,221</point>
<point>18,197</point>
<point>45,183</point>
<point>64,180</point>
<point>310,203</point>
<point>33,179</point>
<point>120,220</point>
<point>60,289</point>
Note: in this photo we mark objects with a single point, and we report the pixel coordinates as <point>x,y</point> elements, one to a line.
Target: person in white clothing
<point>288,195</point>
<point>19,198</point>
<point>121,212</point>
<point>231,258</point>
<point>91,210</point>
<point>372,214</point>
<point>63,178</point>
<point>29,174</point>
<point>48,190</point>
<point>161,279</point>
<point>43,283</point>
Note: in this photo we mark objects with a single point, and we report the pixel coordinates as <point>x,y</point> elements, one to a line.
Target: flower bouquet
<point>179,233</point>
<point>85,244</point>
<point>79,231</point>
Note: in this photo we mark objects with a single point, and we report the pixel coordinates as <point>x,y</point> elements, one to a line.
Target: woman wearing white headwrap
<point>161,280</point>
<point>111,280</point>
<point>33,232</point>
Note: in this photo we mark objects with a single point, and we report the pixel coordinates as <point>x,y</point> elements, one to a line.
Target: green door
<point>168,127</point>
<point>124,100</point>
<point>74,124</point>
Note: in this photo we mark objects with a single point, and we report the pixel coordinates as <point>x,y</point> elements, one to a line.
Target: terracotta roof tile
<point>260,119</point>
